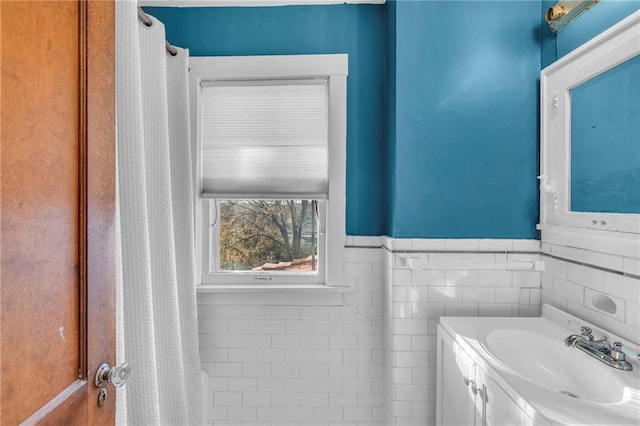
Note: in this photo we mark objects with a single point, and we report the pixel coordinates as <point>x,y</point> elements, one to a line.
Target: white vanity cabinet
<point>518,372</point>
<point>500,409</point>
<point>456,374</point>
<point>466,393</point>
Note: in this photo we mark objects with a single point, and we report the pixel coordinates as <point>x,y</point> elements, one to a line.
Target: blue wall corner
<point>548,39</point>
<point>390,164</point>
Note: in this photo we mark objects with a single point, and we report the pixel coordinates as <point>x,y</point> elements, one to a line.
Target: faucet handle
<point>586,333</point>
<point>616,351</point>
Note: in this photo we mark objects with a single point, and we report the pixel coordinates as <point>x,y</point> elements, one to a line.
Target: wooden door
<point>57,210</point>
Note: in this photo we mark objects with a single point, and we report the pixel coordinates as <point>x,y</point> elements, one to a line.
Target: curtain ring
<point>144,18</point>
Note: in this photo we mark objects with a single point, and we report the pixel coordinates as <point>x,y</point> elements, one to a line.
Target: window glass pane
<point>269,235</point>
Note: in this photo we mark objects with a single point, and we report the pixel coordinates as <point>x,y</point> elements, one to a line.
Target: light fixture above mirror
<point>566,11</point>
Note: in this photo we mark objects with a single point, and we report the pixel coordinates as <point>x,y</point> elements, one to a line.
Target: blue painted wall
<point>442,104</point>
<point>466,106</point>
<point>391,113</point>
<point>356,30</point>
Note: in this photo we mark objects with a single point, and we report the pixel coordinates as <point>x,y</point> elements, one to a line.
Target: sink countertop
<point>540,402</point>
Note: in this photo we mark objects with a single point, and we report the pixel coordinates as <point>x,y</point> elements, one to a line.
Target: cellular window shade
<point>264,140</point>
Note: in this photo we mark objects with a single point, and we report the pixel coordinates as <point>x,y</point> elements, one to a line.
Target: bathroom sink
<point>553,383</point>
<point>554,366</point>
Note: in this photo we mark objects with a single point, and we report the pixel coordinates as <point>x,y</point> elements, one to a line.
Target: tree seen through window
<point>275,235</point>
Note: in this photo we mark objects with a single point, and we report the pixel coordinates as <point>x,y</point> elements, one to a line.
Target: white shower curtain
<point>156,302</point>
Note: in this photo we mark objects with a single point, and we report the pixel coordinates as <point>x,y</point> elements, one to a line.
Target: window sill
<point>272,295</point>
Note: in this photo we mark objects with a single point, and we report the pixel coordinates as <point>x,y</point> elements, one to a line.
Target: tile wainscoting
<point>304,358</point>
<point>426,279</point>
<point>367,356</point>
<point>573,277</point>
<point>364,357</point>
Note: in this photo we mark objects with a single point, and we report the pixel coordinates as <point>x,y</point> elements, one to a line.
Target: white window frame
<point>614,233</point>
<point>332,67</point>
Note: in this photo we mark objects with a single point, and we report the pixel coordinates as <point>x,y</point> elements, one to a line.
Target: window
<point>270,135</point>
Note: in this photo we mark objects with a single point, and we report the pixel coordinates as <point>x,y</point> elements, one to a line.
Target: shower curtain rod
<point>147,21</point>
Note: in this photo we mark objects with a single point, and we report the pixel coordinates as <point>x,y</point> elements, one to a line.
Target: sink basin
<point>553,383</point>
<point>554,366</point>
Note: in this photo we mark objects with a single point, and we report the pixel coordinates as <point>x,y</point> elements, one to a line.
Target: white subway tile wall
<point>366,356</point>
<point>417,294</point>
<point>572,284</point>
<point>302,363</point>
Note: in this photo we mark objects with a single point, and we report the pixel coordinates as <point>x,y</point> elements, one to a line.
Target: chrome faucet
<point>612,355</point>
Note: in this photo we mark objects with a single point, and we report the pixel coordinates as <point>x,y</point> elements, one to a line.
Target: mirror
<point>605,141</point>
<point>590,142</point>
